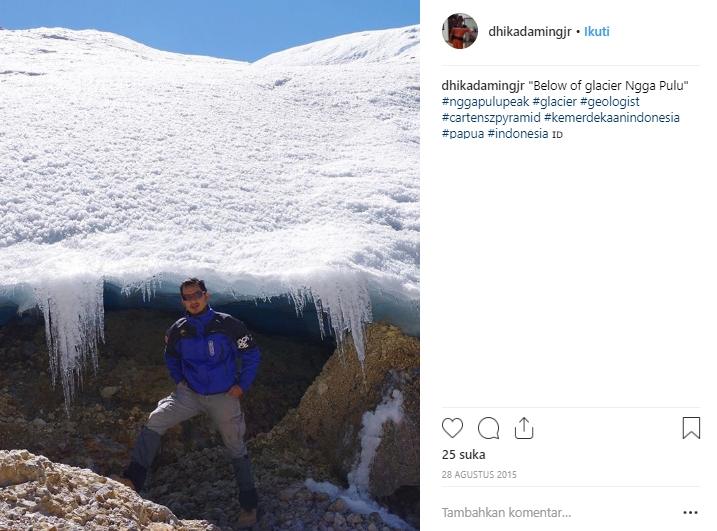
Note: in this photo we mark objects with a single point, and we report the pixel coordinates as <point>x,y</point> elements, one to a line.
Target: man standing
<point>202,351</point>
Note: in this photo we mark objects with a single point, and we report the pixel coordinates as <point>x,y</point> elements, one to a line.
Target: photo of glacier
<point>287,182</point>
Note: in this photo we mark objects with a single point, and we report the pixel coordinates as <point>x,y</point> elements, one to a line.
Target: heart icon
<point>452,426</point>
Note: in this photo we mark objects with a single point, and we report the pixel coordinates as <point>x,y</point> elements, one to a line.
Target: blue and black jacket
<point>212,352</point>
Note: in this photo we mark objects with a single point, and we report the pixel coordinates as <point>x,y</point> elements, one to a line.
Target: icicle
<point>148,288</point>
<point>298,298</point>
<point>346,301</point>
<point>74,323</point>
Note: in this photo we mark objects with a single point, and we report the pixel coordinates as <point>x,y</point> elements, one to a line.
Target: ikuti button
<point>691,427</point>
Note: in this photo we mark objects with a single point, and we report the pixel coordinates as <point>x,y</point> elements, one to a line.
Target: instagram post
<point>568,267</point>
<point>210,238</point>
<point>374,266</point>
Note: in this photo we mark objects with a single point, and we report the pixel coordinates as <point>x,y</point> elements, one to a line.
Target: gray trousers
<point>183,404</point>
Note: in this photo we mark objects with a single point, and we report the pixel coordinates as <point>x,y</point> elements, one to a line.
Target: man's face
<point>194,299</point>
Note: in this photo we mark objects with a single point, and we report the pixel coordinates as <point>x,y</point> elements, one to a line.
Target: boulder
<point>36,493</point>
<point>328,419</point>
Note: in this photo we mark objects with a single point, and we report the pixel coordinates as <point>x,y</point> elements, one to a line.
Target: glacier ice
<point>294,176</point>
<point>357,495</point>
<point>390,409</point>
<point>73,311</point>
<point>346,302</point>
<point>74,324</point>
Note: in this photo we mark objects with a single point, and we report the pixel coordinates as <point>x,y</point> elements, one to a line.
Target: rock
<point>397,459</point>
<point>371,527</point>
<point>328,420</point>
<point>288,493</point>
<point>37,493</point>
<point>339,520</point>
<point>339,506</point>
<point>39,423</point>
<point>321,496</point>
<point>104,494</point>
<point>375,518</point>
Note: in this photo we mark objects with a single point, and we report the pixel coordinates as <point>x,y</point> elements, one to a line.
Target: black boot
<point>143,453</point>
<point>248,498</point>
<point>137,474</point>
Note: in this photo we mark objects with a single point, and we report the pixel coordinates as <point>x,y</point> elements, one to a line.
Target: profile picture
<point>460,30</point>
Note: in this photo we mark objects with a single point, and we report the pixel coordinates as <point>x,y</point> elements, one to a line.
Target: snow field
<point>297,175</point>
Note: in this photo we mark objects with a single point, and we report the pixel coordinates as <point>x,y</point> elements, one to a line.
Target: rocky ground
<point>36,493</point>
<point>303,416</point>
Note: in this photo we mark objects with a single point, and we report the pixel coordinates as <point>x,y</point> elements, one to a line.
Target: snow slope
<point>393,46</point>
<point>296,175</point>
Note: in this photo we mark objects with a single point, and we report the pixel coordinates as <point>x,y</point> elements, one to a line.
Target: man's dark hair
<point>192,282</point>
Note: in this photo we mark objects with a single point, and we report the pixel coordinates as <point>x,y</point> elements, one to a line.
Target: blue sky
<point>236,29</point>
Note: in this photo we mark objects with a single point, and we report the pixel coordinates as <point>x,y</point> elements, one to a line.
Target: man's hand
<point>236,391</point>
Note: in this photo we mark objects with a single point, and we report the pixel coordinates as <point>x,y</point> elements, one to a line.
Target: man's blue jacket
<point>206,351</point>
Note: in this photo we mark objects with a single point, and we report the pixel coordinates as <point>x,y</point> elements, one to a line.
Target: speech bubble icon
<point>488,428</point>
